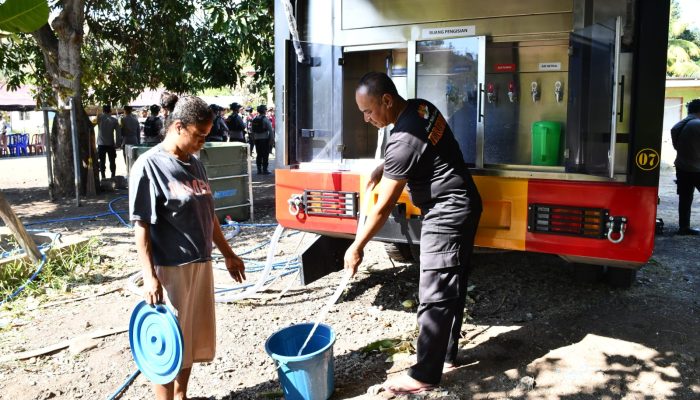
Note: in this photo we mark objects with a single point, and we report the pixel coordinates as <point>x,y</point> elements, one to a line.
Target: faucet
<point>534,91</point>
<point>558,91</point>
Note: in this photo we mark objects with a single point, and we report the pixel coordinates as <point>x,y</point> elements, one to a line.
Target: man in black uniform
<point>685,136</point>
<point>423,153</point>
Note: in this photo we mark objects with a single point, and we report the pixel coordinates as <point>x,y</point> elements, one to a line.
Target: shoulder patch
<point>423,111</point>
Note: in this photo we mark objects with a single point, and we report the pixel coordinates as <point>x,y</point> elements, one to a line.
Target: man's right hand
<point>152,290</point>
<point>353,259</point>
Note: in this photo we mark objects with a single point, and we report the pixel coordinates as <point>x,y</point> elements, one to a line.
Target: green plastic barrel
<point>227,168</point>
<point>133,151</point>
<point>546,136</point>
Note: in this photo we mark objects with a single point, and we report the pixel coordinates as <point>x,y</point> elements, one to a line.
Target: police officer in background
<point>235,124</point>
<point>219,130</point>
<point>264,136</point>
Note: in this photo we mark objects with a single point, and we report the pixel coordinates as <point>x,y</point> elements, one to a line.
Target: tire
<point>622,278</point>
<point>400,252</point>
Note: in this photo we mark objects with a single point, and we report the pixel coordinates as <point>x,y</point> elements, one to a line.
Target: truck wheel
<point>400,252</point>
<point>621,277</point>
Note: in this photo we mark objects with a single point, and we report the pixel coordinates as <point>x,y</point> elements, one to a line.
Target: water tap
<point>491,93</point>
<point>534,91</point>
<point>558,91</point>
<point>512,96</point>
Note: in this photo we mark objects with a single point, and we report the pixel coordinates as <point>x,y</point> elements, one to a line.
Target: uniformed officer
<point>423,153</point>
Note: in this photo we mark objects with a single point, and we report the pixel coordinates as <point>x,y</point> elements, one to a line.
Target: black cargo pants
<point>444,270</point>
<point>687,183</point>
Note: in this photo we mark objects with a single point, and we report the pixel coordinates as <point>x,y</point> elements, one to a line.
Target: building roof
<point>18,100</point>
<point>682,82</point>
<point>22,99</point>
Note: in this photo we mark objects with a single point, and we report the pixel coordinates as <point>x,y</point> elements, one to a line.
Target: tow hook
<point>616,229</point>
<point>296,204</point>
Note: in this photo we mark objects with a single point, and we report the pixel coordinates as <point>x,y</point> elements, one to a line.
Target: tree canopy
<point>683,59</point>
<point>130,45</point>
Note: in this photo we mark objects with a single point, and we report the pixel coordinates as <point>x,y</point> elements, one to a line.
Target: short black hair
<point>377,84</point>
<point>128,109</point>
<point>262,109</point>
<point>106,108</point>
<point>693,106</point>
<point>155,109</point>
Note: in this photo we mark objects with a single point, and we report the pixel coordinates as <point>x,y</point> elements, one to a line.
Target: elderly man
<point>423,153</point>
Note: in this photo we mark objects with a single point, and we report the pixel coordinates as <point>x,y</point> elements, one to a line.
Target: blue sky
<point>690,11</point>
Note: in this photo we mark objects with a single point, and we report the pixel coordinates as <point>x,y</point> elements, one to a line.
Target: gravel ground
<point>533,331</point>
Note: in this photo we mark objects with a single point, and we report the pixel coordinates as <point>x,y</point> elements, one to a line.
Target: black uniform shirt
<point>423,150</point>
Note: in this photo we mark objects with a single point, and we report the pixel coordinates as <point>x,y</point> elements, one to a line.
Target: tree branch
<point>48,43</point>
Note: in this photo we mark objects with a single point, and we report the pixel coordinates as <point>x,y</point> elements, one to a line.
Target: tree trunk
<point>61,47</point>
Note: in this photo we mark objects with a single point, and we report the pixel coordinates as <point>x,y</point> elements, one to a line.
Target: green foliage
<point>683,56</point>
<point>23,15</point>
<point>70,265</point>
<point>182,45</point>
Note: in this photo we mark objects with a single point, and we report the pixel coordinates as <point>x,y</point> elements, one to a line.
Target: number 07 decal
<point>647,159</point>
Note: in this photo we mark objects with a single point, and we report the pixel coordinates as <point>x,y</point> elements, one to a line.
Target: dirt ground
<point>533,331</point>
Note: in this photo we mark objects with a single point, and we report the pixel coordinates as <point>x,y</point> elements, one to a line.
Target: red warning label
<point>504,68</point>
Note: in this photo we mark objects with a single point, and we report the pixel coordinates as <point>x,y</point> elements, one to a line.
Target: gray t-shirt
<point>131,129</point>
<point>107,127</point>
<point>423,150</point>
<point>175,198</point>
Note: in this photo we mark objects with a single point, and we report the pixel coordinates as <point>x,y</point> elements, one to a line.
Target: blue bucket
<point>310,375</point>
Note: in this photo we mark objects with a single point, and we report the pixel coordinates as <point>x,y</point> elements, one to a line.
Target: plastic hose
<point>266,272</point>
<point>124,385</point>
<point>30,280</point>
<point>116,214</point>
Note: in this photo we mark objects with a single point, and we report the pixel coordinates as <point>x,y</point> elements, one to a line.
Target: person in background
<point>131,130</point>
<point>248,119</point>
<point>4,129</point>
<point>264,137</point>
<point>172,208</point>
<point>271,116</point>
<point>219,130</point>
<point>153,126</point>
<point>423,153</point>
<point>685,136</point>
<point>108,135</point>
<point>235,124</point>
